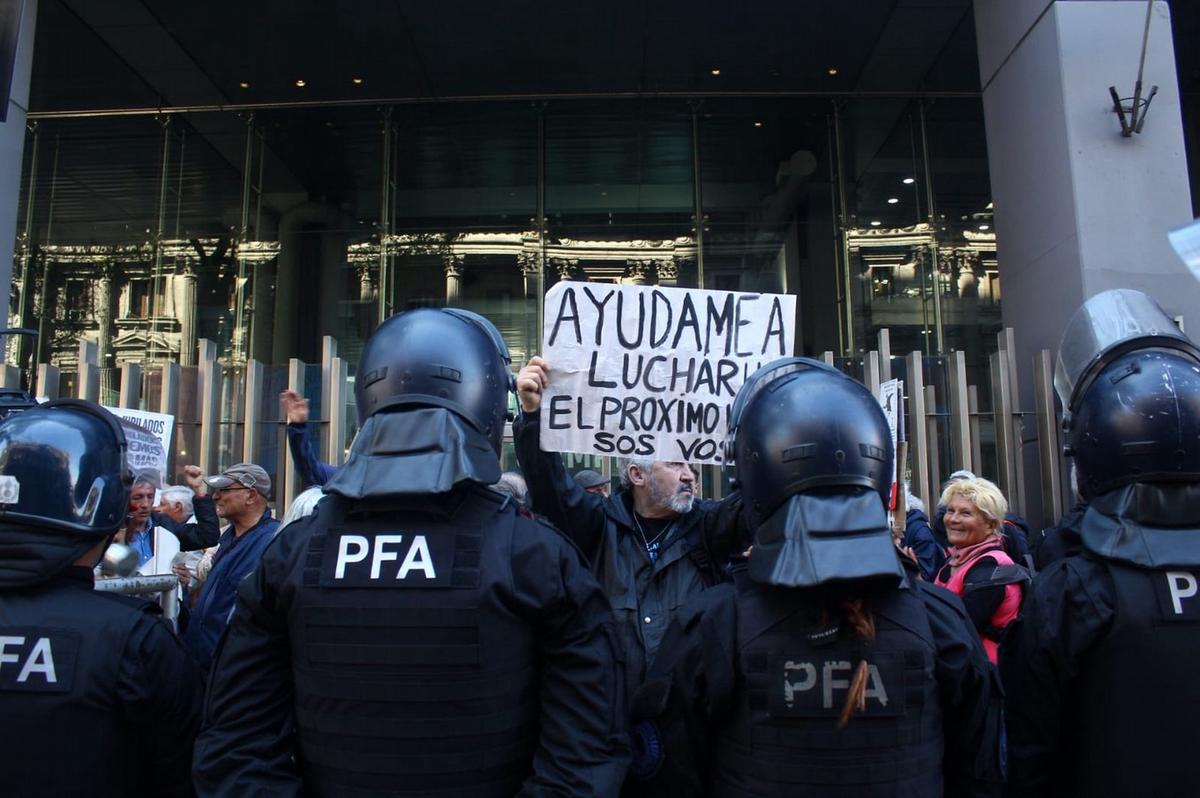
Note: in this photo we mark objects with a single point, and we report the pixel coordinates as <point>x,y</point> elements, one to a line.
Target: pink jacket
<point>1009,606</point>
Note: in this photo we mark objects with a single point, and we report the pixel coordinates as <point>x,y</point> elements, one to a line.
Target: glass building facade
<point>264,226</point>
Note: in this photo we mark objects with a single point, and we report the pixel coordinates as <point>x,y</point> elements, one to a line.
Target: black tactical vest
<point>782,738</point>
<point>1140,678</point>
<point>62,730</point>
<point>412,674</point>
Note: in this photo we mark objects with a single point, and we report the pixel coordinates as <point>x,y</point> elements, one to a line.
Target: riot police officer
<point>97,695</point>
<point>1100,672</point>
<point>824,669</point>
<point>417,635</point>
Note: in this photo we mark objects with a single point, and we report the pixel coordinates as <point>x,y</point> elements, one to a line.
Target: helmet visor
<point>1105,327</point>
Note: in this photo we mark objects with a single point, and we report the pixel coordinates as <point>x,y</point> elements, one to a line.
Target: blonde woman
<point>978,571</point>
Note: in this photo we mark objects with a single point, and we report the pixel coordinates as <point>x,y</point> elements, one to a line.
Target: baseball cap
<point>588,478</point>
<point>246,475</point>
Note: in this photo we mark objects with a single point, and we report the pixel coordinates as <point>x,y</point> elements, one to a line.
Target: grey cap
<point>246,475</point>
<point>588,478</point>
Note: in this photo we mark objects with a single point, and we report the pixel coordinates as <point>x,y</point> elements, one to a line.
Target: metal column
<point>251,417</point>
<point>209,390</point>
<point>918,443</point>
<point>1049,447</point>
<point>89,372</point>
<point>1006,476</point>
<point>131,386</point>
<point>960,419</point>
<point>339,388</point>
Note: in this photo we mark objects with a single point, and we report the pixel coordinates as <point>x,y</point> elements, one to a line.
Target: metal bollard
<point>163,584</point>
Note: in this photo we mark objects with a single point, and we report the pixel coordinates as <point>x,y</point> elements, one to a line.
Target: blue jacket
<point>215,602</point>
<point>919,536</point>
<point>312,471</point>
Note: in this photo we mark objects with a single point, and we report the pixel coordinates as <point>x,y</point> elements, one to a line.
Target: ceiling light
<point>715,71</point>
<point>908,181</point>
<point>989,206</point>
<point>243,85</point>
<point>356,81</point>
<point>833,70</point>
<point>758,124</point>
<point>301,83</point>
<point>985,227</point>
<point>875,222</point>
<point>893,200</point>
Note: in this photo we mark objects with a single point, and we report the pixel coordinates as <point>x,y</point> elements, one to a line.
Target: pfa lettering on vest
<point>808,686</point>
<point>387,559</point>
<point>37,660</point>
<point>1178,594</point>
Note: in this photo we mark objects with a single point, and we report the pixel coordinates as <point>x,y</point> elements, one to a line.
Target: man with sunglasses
<point>240,493</point>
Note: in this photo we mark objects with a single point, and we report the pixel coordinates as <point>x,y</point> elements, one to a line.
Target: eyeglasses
<point>231,488</point>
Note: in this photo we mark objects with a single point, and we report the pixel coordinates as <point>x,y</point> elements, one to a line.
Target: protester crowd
<point>421,623</point>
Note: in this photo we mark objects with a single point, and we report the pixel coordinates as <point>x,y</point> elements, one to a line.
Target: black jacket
<point>439,645</point>
<point>715,715</point>
<point>644,593</point>
<point>102,699</point>
<point>1100,667</point>
<point>203,533</point>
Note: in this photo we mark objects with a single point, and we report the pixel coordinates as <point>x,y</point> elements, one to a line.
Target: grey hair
<point>181,494</point>
<point>625,463</point>
<point>302,506</point>
<point>912,501</point>
<point>512,484</point>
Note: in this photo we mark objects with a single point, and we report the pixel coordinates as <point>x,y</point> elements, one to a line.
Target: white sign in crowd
<point>143,455</point>
<point>652,371</point>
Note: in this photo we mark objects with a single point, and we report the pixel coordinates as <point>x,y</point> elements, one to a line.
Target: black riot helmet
<point>798,424</point>
<point>813,454</point>
<point>448,358</point>
<point>63,468</point>
<point>1129,381</point>
<point>1138,422</point>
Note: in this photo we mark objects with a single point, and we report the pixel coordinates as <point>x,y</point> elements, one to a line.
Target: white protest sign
<point>889,400</point>
<point>142,455</point>
<point>653,371</point>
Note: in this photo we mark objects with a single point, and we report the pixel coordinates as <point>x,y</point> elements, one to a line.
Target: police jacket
<point>97,695</point>
<point>439,646</point>
<point>644,593</point>
<point>1101,668</point>
<point>745,696</point>
<point>235,558</point>
<point>1056,542</point>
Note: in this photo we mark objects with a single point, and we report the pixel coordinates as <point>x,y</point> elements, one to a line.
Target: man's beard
<point>678,502</point>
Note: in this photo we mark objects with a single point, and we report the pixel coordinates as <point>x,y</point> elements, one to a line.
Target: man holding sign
<point>647,374</point>
<point>646,544</point>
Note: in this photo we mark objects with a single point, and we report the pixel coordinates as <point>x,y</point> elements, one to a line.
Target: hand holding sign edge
<point>532,379</point>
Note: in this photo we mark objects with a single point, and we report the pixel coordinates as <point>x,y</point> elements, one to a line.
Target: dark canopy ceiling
<point>133,53</point>
<point>125,59</point>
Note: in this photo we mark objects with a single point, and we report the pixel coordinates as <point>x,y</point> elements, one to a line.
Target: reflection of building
<point>137,302</point>
<point>897,268</point>
<point>149,306</point>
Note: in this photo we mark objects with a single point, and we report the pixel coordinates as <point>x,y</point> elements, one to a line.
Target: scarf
<point>963,555</point>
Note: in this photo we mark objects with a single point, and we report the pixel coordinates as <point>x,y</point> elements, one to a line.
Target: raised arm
<point>294,409</point>
<point>553,493</point>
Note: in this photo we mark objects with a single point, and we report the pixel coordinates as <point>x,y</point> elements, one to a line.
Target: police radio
<point>14,400</point>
